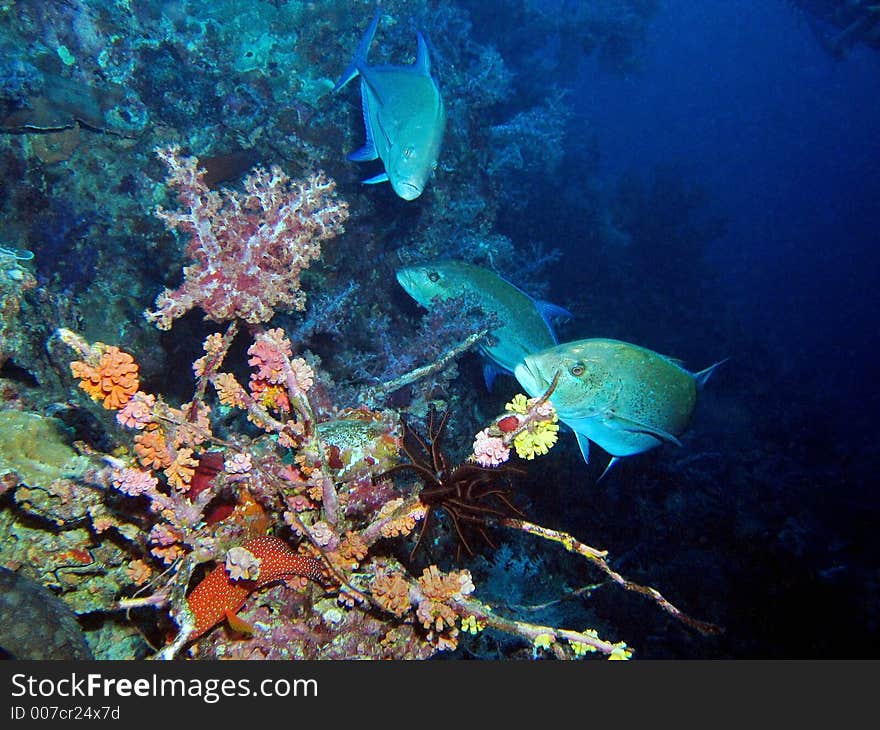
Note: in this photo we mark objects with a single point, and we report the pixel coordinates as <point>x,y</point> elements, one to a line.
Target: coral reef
<point>316,498</point>
<point>231,479</point>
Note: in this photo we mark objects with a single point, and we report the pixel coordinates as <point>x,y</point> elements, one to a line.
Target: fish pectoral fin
<point>238,624</point>
<point>490,371</point>
<point>365,153</point>
<point>584,444</point>
<point>634,426</point>
<point>380,178</point>
<point>384,132</point>
<point>608,467</point>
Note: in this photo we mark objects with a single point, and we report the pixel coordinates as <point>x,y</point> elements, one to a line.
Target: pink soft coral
<point>248,249</point>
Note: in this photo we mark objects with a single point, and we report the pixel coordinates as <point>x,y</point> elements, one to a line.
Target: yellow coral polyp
<point>519,405</point>
<point>536,440</point>
<point>540,433</point>
<point>472,625</point>
<point>581,649</point>
<point>620,652</point>
<point>273,397</point>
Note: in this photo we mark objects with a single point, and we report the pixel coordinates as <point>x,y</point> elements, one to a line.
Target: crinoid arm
<point>471,495</point>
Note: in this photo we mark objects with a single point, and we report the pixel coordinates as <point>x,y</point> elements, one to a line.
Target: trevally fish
<point>524,321</point>
<point>625,398</point>
<point>404,117</point>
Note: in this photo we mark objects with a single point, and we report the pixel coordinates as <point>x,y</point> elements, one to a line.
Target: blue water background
<point>786,141</point>
<point>741,100</point>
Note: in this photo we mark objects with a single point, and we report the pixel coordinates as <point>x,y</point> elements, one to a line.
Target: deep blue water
<point>741,102</point>
<point>787,142</point>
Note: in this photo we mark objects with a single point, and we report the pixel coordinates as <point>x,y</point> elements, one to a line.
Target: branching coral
<point>257,495</point>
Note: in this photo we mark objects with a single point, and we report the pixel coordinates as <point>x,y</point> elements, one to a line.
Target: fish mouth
<point>407,190</point>
<point>530,379</point>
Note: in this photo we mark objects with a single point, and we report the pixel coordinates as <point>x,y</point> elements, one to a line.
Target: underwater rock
<point>15,280</point>
<point>63,103</point>
<point>228,166</point>
<point>34,448</point>
<point>35,624</point>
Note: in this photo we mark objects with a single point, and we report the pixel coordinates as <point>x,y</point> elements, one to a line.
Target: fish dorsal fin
<point>359,61</point>
<point>584,445</point>
<point>549,312</point>
<point>423,61</point>
<point>702,376</point>
<point>367,39</point>
<point>635,426</point>
<point>350,72</point>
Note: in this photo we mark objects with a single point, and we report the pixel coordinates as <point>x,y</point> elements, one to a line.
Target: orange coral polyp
<point>113,380</point>
<point>151,449</point>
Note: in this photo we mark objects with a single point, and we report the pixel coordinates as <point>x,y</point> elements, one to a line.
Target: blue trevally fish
<point>625,398</point>
<point>404,117</point>
<point>524,322</point>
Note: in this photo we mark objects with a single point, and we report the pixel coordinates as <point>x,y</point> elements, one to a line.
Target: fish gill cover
<point>208,362</point>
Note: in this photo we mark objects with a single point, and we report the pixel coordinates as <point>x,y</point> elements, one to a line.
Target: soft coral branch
<point>249,249</point>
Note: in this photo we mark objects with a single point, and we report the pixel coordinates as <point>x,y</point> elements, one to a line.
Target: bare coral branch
<point>599,559</point>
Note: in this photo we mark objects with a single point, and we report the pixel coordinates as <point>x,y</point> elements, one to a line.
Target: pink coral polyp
<point>490,450</point>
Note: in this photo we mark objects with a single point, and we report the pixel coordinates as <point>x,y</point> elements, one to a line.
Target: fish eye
<point>408,152</point>
<point>577,370</point>
<point>434,276</point>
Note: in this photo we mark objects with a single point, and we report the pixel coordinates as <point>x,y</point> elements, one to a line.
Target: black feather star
<point>470,494</point>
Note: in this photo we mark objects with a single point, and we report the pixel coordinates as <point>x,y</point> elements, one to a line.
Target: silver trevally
<point>524,322</point>
<point>625,398</point>
<point>403,115</point>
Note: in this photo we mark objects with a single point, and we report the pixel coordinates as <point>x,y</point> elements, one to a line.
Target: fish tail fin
<point>549,312</point>
<point>360,54</point>
<point>702,376</point>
